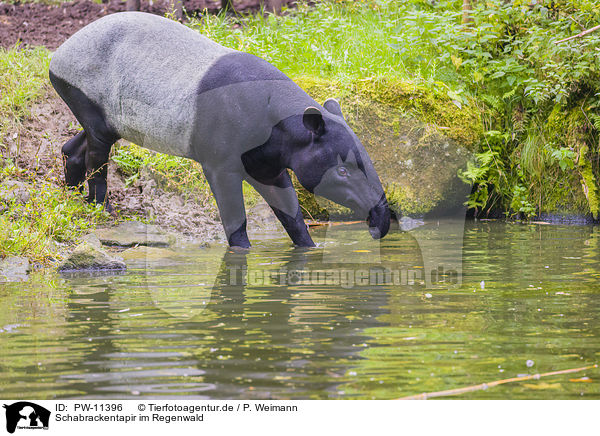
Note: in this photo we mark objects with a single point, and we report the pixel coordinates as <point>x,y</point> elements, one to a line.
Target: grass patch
<point>47,219</point>
<point>23,76</point>
<point>341,40</point>
<point>37,218</point>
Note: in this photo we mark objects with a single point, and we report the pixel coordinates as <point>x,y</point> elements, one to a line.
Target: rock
<point>14,190</point>
<point>88,256</point>
<point>14,269</point>
<point>133,203</point>
<point>92,239</point>
<point>407,223</point>
<point>154,255</point>
<point>132,233</point>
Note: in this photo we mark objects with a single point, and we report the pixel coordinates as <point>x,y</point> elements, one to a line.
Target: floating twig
<point>483,386</point>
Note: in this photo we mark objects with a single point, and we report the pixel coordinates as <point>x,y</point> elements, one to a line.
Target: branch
<point>484,386</point>
<point>585,32</point>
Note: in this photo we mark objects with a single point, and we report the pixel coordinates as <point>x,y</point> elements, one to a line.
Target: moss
<point>430,106</point>
<point>462,125</point>
<point>403,200</point>
<point>588,183</point>
<point>416,138</point>
<point>563,195</point>
<point>574,191</point>
<point>565,125</point>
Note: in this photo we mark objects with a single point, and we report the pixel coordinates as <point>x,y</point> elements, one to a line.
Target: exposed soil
<point>35,24</point>
<point>36,144</point>
<point>36,148</point>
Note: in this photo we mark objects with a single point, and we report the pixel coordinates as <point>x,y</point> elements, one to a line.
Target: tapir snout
<point>379,219</point>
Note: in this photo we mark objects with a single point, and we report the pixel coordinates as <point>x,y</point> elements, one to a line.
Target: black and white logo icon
<point>26,415</point>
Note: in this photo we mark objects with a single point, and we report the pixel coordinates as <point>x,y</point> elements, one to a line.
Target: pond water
<point>442,306</point>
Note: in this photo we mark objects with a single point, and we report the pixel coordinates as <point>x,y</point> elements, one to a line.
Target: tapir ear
<point>351,158</point>
<point>313,120</point>
<point>333,106</point>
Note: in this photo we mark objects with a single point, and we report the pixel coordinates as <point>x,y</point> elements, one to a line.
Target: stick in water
<point>483,386</point>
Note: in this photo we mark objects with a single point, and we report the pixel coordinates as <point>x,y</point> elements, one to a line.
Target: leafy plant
<point>505,59</point>
<point>564,156</point>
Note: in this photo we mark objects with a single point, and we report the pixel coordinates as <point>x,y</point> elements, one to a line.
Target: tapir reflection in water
<point>165,87</point>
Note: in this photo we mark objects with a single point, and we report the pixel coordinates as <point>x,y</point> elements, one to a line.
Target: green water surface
<point>284,323</point>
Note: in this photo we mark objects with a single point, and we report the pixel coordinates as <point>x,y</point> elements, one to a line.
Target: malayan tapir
<point>164,86</point>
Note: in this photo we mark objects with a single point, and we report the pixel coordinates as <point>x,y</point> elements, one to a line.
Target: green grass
<point>52,218</point>
<point>172,173</point>
<point>341,40</point>
<point>23,76</point>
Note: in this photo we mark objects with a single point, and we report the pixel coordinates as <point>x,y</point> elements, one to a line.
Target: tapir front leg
<point>227,189</point>
<point>282,198</point>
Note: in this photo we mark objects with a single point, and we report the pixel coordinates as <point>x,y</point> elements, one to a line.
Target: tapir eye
<point>343,171</point>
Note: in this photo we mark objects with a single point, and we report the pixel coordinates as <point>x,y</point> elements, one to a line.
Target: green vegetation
<point>171,173</point>
<point>41,218</point>
<point>37,217</point>
<point>23,75</point>
<point>176,174</point>
<point>503,63</point>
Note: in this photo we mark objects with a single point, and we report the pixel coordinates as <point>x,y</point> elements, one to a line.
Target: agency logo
<point>26,415</point>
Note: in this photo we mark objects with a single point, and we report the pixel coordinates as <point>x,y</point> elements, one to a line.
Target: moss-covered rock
<point>417,139</point>
<point>14,269</point>
<point>90,256</point>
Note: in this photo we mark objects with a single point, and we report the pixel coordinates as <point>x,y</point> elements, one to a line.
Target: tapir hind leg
<point>74,160</point>
<point>99,137</point>
<point>282,198</point>
<point>96,162</point>
<point>227,189</point>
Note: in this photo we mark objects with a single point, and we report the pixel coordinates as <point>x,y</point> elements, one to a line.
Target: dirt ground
<point>36,148</point>
<point>39,24</point>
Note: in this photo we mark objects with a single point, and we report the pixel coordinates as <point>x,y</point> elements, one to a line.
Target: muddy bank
<point>35,148</point>
<point>34,24</point>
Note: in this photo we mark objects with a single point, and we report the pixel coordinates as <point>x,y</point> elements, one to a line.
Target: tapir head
<point>330,161</point>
